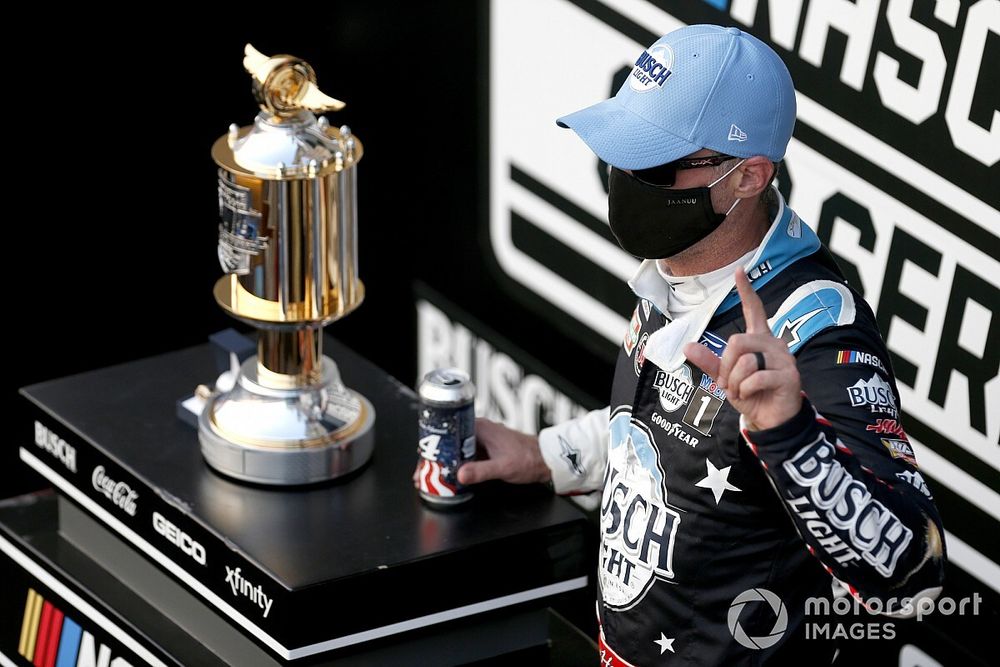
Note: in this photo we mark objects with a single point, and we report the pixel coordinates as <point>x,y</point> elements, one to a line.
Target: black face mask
<point>653,222</point>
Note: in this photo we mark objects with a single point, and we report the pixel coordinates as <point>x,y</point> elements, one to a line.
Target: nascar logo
<point>856,357</point>
<point>49,638</point>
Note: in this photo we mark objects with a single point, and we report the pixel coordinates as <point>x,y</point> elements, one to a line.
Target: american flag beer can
<point>447,435</point>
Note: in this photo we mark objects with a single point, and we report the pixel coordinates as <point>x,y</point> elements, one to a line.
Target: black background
<point>113,218</point>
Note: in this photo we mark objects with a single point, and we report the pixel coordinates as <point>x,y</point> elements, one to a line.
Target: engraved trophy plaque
<point>288,246</point>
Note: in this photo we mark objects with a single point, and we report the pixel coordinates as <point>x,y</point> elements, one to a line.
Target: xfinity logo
<point>179,537</point>
<point>120,493</point>
<point>56,446</point>
<point>240,586</point>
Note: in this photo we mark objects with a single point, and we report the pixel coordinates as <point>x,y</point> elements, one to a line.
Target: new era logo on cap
<point>736,134</point>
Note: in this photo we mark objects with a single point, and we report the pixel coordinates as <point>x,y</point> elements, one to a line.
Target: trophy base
<point>287,436</point>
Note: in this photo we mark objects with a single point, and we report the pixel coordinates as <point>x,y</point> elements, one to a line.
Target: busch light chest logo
<point>675,387</point>
<point>651,69</point>
<point>637,527</point>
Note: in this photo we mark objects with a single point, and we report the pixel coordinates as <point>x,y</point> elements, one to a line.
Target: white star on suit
<point>717,480</point>
<point>665,644</point>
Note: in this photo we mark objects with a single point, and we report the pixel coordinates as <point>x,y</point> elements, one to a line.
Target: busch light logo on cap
<point>651,69</point>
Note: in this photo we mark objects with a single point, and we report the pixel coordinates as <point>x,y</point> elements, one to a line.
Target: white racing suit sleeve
<point>576,452</point>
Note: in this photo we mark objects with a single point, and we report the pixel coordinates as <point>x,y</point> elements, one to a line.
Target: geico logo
<point>179,537</point>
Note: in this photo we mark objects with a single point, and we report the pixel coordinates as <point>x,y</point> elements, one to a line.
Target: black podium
<point>194,567</point>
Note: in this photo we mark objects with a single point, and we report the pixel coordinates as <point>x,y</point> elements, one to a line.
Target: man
<point>752,447</point>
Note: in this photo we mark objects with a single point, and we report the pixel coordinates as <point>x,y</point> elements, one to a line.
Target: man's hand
<point>511,456</point>
<point>503,454</point>
<point>766,395</point>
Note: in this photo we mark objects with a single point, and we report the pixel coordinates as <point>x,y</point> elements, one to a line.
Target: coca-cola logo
<point>120,493</point>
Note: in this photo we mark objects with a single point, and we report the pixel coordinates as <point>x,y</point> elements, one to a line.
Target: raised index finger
<point>753,307</point>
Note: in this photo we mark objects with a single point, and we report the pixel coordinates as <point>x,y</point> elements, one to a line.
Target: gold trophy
<point>288,244</point>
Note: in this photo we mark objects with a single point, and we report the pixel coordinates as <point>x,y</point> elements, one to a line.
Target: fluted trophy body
<point>288,246</point>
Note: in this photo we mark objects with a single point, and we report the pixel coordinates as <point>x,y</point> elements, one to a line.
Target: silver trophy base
<point>287,436</point>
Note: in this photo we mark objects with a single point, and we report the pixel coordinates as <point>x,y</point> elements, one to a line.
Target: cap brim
<point>623,139</point>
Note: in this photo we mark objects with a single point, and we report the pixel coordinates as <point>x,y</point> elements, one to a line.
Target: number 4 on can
<point>429,446</point>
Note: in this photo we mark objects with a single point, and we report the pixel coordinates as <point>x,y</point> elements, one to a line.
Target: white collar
<point>688,292</point>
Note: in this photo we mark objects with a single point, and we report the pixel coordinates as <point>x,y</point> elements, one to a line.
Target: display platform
<point>296,570</point>
<point>61,606</point>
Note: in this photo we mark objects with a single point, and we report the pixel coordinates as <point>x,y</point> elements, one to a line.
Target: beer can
<point>447,435</point>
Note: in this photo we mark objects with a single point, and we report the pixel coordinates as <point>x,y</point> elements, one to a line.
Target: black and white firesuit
<point>714,537</point>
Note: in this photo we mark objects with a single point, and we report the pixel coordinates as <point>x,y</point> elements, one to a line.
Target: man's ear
<point>755,176</point>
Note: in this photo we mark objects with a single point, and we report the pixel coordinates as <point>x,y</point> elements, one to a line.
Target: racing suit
<point>712,536</point>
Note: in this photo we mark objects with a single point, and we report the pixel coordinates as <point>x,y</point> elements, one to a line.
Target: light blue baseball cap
<point>702,86</point>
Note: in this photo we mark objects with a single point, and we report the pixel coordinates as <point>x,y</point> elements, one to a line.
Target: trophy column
<point>288,245</point>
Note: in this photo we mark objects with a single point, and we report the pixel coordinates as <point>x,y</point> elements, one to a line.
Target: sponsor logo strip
<point>154,554</point>
<point>176,570</point>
